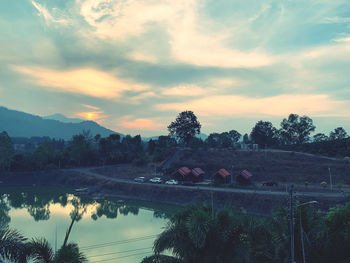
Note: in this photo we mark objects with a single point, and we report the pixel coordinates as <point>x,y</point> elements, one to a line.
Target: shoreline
<point>249,202</point>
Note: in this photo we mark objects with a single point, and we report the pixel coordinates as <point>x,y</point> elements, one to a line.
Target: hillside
<point>21,124</point>
<point>280,166</point>
<point>62,118</point>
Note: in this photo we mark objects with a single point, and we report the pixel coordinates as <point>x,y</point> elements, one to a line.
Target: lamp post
<point>301,228</point>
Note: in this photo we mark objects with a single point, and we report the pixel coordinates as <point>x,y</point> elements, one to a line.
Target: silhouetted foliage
<point>185,127</point>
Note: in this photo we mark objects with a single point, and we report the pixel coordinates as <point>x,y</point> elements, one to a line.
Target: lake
<point>110,230</point>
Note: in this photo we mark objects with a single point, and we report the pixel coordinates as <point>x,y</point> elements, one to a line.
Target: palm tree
<point>12,245</point>
<point>195,236</point>
<point>41,252</point>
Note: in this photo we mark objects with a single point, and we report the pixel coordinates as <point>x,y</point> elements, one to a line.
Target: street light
<point>301,227</point>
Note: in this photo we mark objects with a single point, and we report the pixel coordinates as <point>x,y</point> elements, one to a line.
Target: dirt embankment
<point>261,204</point>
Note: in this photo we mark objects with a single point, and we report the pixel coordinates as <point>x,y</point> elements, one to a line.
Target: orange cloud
<point>85,81</point>
<point>139,124</point>
<point>282,105</point>
<point>90,107</point>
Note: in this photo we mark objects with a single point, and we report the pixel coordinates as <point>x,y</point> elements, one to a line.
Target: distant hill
<point>21,124</point>
<point>62,118</point>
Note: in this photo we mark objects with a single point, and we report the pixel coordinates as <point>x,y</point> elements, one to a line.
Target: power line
<point>143,253</point>
<point>118,242</point>
<point>120,252</point>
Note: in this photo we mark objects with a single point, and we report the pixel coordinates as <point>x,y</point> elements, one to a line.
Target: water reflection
<point>44,212</point>
<point>38,201</point>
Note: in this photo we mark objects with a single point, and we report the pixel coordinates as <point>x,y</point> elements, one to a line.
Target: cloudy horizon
<point>133,65</point>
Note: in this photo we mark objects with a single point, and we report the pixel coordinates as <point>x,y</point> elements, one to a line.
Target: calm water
<point>106,231</point>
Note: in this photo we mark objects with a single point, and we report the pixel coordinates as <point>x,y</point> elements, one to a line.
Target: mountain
<point>62,118</point>
<point>21,124</point>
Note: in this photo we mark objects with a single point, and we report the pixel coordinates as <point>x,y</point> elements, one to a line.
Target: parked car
<point>140,179</point>
<point>172,181</point>
<point>155,180</point>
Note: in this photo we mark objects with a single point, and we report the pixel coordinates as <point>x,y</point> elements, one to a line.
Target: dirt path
<point>315,194</point>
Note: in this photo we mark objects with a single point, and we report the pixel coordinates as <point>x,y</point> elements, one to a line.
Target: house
<point>243,177</point>
<point>197,175</point>
<point>222,176</point>
<point>182,174</point>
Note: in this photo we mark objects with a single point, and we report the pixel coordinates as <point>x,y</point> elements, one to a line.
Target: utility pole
<point>291,224</point>
<point>212,205</point>
<point>330,178</point>
<point>302,237</point>
<point>56,240</point>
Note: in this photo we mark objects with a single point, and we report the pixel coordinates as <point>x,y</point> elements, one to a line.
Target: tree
<point>194,235</point>
<point>320,137</point>
<point>185,127</point>
<point>235,136</point>
<point>338,134</point>
<point>263,133</point>
<point>296,129</point>
<point>12,244</point>
<point>6,151</point>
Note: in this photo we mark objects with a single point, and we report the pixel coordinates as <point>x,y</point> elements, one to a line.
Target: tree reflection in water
<point>38,202</point>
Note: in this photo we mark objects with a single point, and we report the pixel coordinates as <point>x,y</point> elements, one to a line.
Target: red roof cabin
<point>197,175</point>
<point>222,176</point>
<point>182,174</point>
<point>243,177</point>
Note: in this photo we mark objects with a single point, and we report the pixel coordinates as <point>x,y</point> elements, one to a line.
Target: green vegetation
<point>85,150</point>
<point>198,235</point>
<point>17,249</point>
<point>185,127</point>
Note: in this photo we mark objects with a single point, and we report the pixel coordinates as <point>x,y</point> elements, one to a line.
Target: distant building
<point>182,174</point>
<point>197,175</point>
<point>243,177</point>
<point>222,176</point>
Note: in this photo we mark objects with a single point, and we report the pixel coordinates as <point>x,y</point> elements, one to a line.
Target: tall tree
<point>338,134</point>
<point>235,136</point>
<point>263,133</point>
<point>6,151</point>
<point>185,127</point>
<point>296,129</point>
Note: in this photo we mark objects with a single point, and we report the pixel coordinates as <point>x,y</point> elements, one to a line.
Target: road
<point>88,171</point>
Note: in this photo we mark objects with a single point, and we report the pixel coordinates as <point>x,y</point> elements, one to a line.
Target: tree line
<point>199,235</point>
<point>87,150</point>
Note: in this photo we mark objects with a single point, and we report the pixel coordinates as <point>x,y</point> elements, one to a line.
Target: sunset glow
<point>232,62</point>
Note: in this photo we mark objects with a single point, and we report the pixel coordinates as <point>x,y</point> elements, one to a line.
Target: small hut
<point>197,175</point>
<point>243,177</point>
<point>182,174</point>
<point>222,176</point>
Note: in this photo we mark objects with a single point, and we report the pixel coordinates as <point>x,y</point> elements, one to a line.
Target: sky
<point>134,65</point>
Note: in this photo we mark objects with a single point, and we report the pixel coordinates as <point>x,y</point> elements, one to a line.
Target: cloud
<point>138,124</point>
<point>85,81</point>
<point>48,17</point>
<point>190,41</point>
<point>282,105</point>
<point>141,56</point>
<point>185,90</point>
<point>335,20</point>
<point>90,107</point>
<point>138,98</point>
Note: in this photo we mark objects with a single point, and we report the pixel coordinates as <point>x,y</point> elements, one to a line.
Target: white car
<point>155,180</point>
<point>140,179</point>
<point>172,181</point>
